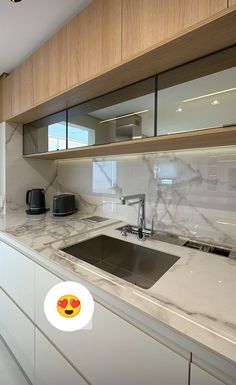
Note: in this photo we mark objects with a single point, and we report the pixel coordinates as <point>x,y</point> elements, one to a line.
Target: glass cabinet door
<point>198,95</point>
<point>195,96</point>
<point>47,134</point>
<point>121,115</point>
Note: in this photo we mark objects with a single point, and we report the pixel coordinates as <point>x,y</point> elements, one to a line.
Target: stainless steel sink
<point>136,264</point>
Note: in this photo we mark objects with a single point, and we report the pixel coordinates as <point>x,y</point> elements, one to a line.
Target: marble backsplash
<point>23,174</point>
<point>191,192</point>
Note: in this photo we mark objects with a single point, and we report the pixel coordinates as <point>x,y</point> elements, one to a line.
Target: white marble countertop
<point>196,297</point>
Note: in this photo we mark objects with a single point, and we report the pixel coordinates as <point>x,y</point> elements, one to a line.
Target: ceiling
<point>26,25</point>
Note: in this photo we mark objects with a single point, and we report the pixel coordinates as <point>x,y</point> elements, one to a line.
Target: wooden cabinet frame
<point>22,87</point>
<point>194,42</point>
<point>194,139</point>
<point>197,138</point>
<point>5,97</point>
<point>50,67</point>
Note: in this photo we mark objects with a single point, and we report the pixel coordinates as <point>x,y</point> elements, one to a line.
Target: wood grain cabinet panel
<point>232,2</point>
<point>50,67</point>
<point>94,40</point>
<point>148,22</point>
<point>5,98</point>
<point>22,87</point>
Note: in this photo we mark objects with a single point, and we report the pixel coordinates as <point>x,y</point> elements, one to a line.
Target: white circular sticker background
<point>63,289</point>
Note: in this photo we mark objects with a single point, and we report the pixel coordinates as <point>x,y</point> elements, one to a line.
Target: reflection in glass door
<point>46,134</point>
<point>80,136</point>
<point>56,136</point>
<point>125,114</point>
<point>198,95</point>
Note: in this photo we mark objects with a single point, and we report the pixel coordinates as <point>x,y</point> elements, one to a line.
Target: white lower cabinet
<point>113,351</point>
<point>50,366</point>
<point>200,377</point>
<point>17,277</point>
<point>18,332</point>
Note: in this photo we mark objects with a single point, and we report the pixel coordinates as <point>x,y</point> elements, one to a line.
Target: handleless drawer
<point>17,278</point>
<point>200,377</point>
<point>18,332</point>
<point>113,351</point>
<point>51,367</point>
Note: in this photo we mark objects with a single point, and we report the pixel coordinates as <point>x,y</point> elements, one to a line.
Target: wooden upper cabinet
<point>50,67</point>
<point>5,97</point>
<point>94,40</point>
<point>232,2</point>
<point>22,87</point>
<point>148,22</point>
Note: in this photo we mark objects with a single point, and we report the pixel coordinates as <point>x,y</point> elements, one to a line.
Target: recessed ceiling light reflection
<point>215,102</point>
<point>179,110</point>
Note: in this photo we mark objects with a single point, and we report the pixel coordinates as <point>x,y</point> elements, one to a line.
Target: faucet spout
<point>137,199</point>
<point>125,198</point>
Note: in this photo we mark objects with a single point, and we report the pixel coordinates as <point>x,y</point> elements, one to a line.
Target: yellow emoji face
<point>68,306</point>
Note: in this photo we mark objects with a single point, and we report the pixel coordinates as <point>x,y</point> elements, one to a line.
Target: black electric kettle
<point>35,198</point>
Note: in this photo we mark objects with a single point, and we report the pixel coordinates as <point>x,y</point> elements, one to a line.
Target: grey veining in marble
<point>191,193</point>
<point>24,174</point>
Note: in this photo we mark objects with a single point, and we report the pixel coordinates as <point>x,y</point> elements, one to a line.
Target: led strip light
<point>208,95</point>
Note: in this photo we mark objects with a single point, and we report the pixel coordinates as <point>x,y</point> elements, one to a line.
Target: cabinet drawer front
<point>51,367</point>
<point>17,277</point>
<point>18,332</point>
<point>113,351</point>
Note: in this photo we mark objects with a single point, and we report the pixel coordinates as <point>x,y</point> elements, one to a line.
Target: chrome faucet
<point>139,199</point>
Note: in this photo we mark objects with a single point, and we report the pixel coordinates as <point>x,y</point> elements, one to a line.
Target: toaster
<point>64,204</point>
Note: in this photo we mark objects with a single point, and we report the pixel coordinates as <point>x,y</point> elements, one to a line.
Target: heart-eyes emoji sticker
<point>68,306</point>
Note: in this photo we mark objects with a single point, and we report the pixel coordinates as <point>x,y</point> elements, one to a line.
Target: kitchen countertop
<point>196,297</point>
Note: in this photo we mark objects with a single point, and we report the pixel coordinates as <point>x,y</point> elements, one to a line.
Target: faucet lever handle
<point>132,203</point>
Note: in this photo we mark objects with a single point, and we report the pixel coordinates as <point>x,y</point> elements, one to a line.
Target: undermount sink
<point>136,264</point>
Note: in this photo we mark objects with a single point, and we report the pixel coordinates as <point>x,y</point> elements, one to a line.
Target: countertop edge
<point>171,337</point>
